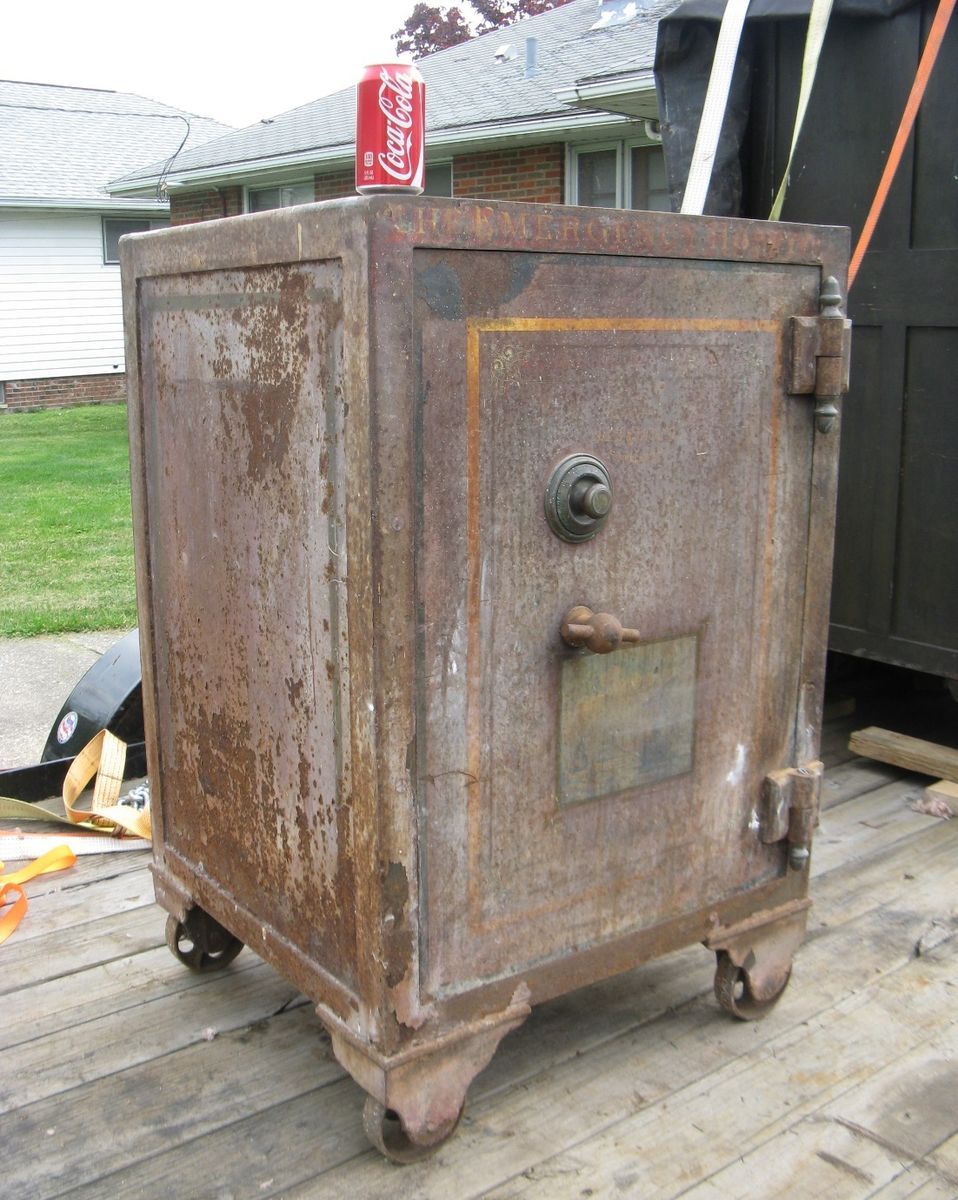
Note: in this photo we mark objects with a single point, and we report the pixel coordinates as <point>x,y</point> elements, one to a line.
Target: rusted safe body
<point>483,556</point>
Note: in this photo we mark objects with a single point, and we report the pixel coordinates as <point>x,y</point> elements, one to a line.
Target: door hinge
<point>790,803</point>
<point>821,355</point>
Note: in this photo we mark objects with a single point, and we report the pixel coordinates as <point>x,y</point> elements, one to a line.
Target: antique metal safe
<point>483,555</point>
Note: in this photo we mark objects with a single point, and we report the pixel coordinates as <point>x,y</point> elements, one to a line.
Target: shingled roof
<point>62,145</point>
<point>479,92</point>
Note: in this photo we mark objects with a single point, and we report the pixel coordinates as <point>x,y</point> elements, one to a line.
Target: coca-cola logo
<point>396,105</point>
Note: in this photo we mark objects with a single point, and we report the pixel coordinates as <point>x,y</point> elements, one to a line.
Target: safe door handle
<point>599,632</point>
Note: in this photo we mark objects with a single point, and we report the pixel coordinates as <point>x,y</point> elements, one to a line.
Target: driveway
<point>38,674</point>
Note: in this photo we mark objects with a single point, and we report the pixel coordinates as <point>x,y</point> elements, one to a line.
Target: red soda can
<point>390,129</point>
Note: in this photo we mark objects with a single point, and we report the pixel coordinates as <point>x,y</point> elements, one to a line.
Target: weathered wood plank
<point>158,1104</point>
<point>59,953</point>
<point>120,976</point>
<point>908,1187</point>
<point>101,992</point>
<point>945,1157</point>
<point>911,753</point>
<point>65,908</point>
<point>815,1159</point>
<point>628,1000</point>
<point>915,1183</point>
<point>259,1156</point>
<point>863,1141</point>
<point>89,868</point>
<point>911,1104</point>
<point>114,1042</point>
<point>728,1112</point>
<point>656,1068</point>
<point>854,778</point>
<point>865,825</point>
<point>886,878</point>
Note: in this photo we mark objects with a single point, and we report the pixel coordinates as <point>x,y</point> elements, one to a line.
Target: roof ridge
<point>73,87</point>
<point>158,108</point>
<point>470,93</point>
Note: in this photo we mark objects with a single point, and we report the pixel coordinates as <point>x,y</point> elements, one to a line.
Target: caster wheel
<point>734,994</point>
<point>384,1129</point>
<point>201,943</point>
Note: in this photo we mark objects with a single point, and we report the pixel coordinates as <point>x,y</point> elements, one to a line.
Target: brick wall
<point>186,208</point>
<point>22,395</point>
<point>336,185</point>
<point>533,173</point>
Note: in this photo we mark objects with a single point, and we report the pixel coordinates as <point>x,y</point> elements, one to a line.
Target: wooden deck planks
<point>59,953</point>
<point>90,1130</point>
<point>637,1086</point>
<point>114,1041</point>
<point>672,1091</point>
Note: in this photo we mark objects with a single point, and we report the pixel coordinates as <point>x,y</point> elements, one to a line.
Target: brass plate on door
<point>626,720</point>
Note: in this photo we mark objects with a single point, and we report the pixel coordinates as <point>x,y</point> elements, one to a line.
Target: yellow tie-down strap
<point>103,757</point>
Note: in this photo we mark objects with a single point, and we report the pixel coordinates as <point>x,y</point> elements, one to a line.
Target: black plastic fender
<point>108,696</point>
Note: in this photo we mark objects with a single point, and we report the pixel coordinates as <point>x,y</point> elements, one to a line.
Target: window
<point>115,227</point>
<point>618,175</point>
<point>650,189</point>
<point>597,178</point>
<point>438,181</point>
<point>283,196</point>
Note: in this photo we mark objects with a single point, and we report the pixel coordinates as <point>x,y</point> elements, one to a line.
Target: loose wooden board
<point>911,753</point>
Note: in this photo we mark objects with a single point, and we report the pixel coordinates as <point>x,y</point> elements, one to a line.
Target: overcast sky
<point>233,61</point>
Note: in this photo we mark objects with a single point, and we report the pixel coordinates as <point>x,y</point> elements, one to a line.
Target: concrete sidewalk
<point>36,676</point>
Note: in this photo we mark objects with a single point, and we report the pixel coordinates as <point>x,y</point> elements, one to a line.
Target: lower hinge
<point>790,803</point>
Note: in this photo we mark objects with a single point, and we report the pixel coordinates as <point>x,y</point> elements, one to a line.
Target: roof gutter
<point>460,138</point>
<point>105,204</point>
<point>594,90</point>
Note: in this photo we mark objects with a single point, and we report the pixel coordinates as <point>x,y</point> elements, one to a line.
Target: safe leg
<point>200,942</point>
<point>385,1129</point>
<point>416,1097</point>
<point>754,959</point>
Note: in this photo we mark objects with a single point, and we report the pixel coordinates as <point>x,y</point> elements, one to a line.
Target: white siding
<point>60,309</point>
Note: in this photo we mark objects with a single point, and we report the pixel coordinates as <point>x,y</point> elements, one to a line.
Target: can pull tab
<point>599,632</point>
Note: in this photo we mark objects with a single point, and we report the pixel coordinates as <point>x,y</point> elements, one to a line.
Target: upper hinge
<point>790,803</point>
<point>821,355</point>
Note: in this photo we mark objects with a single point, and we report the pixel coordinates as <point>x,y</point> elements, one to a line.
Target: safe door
<point>602,438</point>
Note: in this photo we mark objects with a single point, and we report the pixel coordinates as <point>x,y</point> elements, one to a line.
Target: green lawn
<point>66,540</point>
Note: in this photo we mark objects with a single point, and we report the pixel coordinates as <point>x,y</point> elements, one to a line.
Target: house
<point>559,108</point>
<point>61,329</point>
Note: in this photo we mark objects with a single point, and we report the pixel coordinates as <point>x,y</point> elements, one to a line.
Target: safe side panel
<point>523,361</point>
<point>241,372</point>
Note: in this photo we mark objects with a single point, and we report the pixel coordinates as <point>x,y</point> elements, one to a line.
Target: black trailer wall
<point>896,568</point>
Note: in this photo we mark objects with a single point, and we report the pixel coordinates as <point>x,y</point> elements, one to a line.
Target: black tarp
<point>683,61</point>
<point>895,591</point>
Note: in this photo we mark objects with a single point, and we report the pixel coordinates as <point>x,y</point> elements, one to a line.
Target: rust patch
<point>397,936</point>
<point>244,442</point>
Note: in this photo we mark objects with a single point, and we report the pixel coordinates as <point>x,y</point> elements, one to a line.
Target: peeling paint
<point>735,776</point>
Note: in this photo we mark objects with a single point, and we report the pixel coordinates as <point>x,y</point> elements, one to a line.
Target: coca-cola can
<point>390,129</point>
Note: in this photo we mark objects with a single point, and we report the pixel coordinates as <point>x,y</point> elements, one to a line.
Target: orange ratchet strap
<point>936,36</point>
<point>12,895</point>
